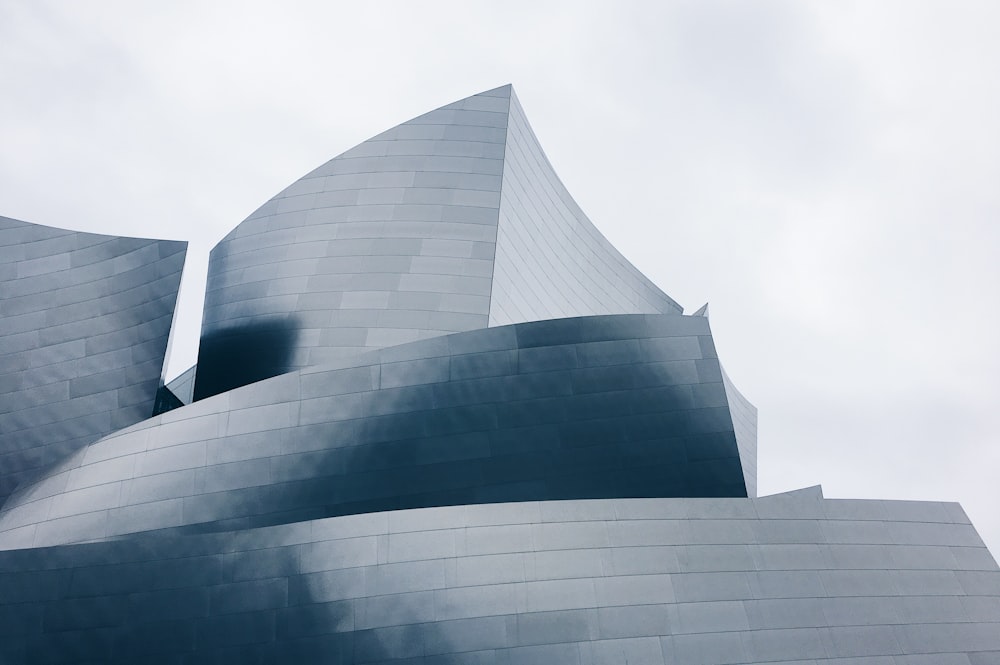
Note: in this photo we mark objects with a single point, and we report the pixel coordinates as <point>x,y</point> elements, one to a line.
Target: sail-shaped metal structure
<point>436,418</point>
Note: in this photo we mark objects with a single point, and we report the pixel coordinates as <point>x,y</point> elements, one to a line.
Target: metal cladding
<point>777,579</point>
<point>593,407</point>
<point>409,236</point>
<point>84,328</point>
<point>744,415</point>
<point>550,259</point>
<point>438,419</point>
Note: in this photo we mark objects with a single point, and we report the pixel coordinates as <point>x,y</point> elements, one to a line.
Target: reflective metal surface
<point>592,407</point>
<point>449,222</point>
<point>436,419</point>
<point>84,321</point>
<point>791,578</point>
<point>388,243</point>
<point>550,260</point>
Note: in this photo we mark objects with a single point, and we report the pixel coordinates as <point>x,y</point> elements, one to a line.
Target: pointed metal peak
<point>702,311</point>
<point>495,99</point>
<point>501,91</point>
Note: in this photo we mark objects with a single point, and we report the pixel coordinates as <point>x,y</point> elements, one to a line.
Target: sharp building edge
<point>436,418</point>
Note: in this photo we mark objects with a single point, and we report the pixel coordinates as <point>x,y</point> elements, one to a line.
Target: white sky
<point>827,175</point>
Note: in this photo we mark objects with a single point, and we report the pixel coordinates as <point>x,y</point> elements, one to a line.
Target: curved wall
<point>745,427</point>
<point>388,243</point>
<point>397,240</point>
<point>85,322</point>
<point>613,406</point>
<point>551,261</point>
<point>786,579</point>
<point>254,526</point>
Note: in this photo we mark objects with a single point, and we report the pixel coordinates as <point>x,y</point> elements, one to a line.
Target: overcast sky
<point>826,175</point>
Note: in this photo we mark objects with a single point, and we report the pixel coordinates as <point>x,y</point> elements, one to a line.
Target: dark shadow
<point>165,401</point>
<point>243,355</point>
<point>500,433</point>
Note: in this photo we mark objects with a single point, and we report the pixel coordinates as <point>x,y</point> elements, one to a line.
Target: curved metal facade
<point>388,243</point>
<point>551,261</point>
<point>784,579</point>
<point>594,407</point>
<point>439,419</point>
<point>83,333</point>
<point>449,222</point>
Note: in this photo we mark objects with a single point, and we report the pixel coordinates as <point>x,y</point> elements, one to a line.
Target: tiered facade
<point>436,418</point>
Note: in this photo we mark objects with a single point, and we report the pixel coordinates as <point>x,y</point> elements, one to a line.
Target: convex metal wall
<point>784,579</point>
<point>591,407</point>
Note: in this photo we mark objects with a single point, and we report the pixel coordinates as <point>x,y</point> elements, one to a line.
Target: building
<point>437,418</point>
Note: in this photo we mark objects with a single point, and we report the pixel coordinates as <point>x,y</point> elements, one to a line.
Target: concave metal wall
<point>84,323</point>
<point>551,261</point>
